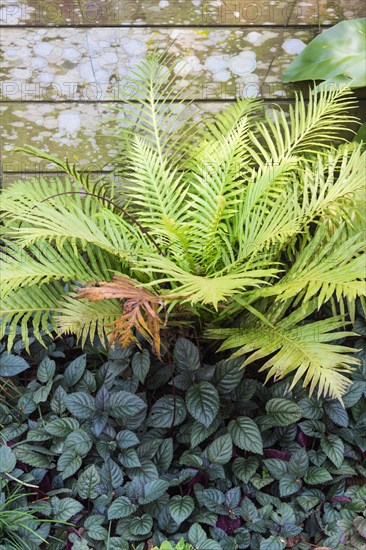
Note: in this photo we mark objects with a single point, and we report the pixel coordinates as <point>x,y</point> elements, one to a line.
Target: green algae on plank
<point>84,133</point>
<point>96,64</point>
<point>89,141</point>
<point>178,12</point>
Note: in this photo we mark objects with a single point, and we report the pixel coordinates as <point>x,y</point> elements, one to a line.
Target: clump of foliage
<point>132,452</point>
<point>252,220</point>
<point>20,526</point>
<point>336,56</point>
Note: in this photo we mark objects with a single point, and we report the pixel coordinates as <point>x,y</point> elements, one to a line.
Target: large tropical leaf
<point>337,55</point>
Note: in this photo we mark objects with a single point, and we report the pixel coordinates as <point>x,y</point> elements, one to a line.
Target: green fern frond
<point>326,268</point>
<point>335,187</point>
<point>312,126</point>
<point>214,192</point>
<point>39,264</point>
<point>87,319</point>
<point>84,179</point>
<point>32,304</point>
<point>228,120</point>
<point>162,113</point>
<point>157,190</point>
<point>267,228</point>
<point>75,223</point>
<point>206,290</point>
<point>304,348</point>
<point>23,195</point>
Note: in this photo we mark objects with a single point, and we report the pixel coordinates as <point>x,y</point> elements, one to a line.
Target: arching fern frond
<point>312,126</point>
<point>206,290</point>
<point>214,193</point>
<point>23,195</point>
<point>39,264</point>
<point>157,190</point>
<point>34,305</point>
<point>304,348</point>
<point>88,319</point>
<point>81,179</point>
<point>326,268</point>
<point>158,107</point>
<point>334,188</point>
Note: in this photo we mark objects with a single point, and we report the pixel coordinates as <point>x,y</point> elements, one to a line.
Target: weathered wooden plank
<point>10,177</point>
<point>95,64</point>
<point>84,133</point>
<point>178,12</point>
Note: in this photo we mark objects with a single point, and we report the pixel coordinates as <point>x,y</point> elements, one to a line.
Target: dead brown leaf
<point>140,310</point>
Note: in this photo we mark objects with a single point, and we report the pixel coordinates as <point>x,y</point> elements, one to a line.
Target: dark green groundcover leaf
<point>11,365</point>
<point>128,462</point>
<point>337,56</point>
<point>203,402</point>
<point>7,459</point>
<point>283,412</point>
<point>246,435</point>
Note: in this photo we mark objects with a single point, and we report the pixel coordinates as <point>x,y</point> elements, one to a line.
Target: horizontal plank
<point>10,177</point>
<point>84,133</point>
<point>178,12</point>
<point>96,64</point>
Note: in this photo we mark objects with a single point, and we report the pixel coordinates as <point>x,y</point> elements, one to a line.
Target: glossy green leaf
<point>61,427</point>
<point>123,404</point>
<point>69,463</point>
<point>121,508</point>
<point>141,525</point>
<point>167,411</point>
<point>245,434</point>
<point>203,402</point>
<point>289,485</point>
<point>196,535</point>
<point>153,490</point>
<point>337,56</point>
<point>317,475</point>
<point>87,482</point>
<point>46,370</point>
<point>283,412</point>
<point>220,450</point>
<point>180,508</point>
<point>141,364</point>
<point>11,365</point>
<point>186,355</point>
<point>7,459</point>
<point>272,543</point>
<point>333,447</point>
<point>81,405</point>
<point>75,370</point>
<point>94,526</point>
<point>245,468</point>
<point>66,508</point>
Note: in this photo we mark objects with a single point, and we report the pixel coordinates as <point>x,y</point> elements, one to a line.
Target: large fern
<point>252,221</point>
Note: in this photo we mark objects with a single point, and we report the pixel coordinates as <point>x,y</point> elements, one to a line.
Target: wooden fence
<point>66,64</point>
